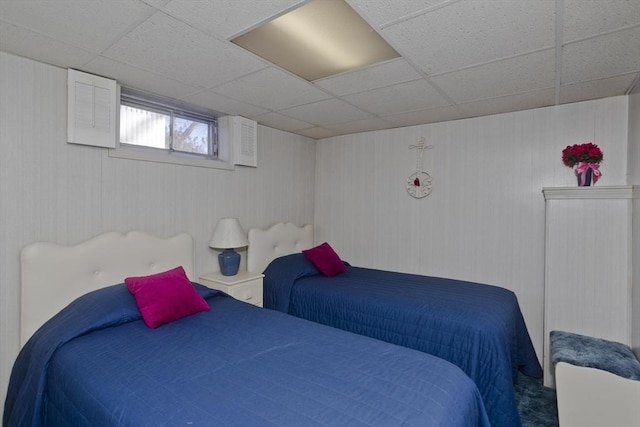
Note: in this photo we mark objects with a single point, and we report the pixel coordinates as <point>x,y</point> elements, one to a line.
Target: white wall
<point>634,139</point>
<point>51,190</point>
<point>484,220</point>
<point>634,179</point>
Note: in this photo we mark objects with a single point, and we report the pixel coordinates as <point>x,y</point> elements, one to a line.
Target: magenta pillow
<point>325,259</point>
<point>165,297</point>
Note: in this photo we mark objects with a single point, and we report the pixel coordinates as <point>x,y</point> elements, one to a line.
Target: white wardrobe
<point>589,288</point>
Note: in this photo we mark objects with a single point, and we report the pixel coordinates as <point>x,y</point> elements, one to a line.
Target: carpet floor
<point>536,404</point>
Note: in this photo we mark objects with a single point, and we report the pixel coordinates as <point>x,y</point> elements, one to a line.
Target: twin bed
<point>477,327</point>
<point>97,363</point>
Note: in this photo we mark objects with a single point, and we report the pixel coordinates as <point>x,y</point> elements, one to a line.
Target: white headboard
<point>55,275</point>
<point>280,239</point>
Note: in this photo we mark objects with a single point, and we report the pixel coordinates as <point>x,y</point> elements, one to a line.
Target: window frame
<point>149,102</point>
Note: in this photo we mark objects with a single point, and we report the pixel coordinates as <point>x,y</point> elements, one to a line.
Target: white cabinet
<point>588,264</point>
<point>244,286</point>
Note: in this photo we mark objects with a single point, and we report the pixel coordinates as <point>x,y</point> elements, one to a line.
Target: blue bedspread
<point>96,363</point>
<point>477,327</point>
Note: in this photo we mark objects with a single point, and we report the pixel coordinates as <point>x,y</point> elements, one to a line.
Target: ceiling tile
<point>279,121</point>
<point>603,56</point>
<point>136,78</point>
<point>357,126</point>
<point>505,104</point>
<point>519,74</point>
<point>88,24</point>
<point>411,96</point>
<point>471,32</point>
<point>23,42</point>
<point>378,13</point>
<point>272,88</point>
<point>431,115</point>
<point>585,18</point>
<point>223,104</point>
<point>156,3</point>
<point>330,111</point>
<point>317,133</point>
<point>385,74</point>
<point>594,89</point>
<point>171,48</point>
<point>227,18</point>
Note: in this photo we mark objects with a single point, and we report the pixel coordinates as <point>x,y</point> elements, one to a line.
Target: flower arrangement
<point>585,153</point>
<point>586,158</point>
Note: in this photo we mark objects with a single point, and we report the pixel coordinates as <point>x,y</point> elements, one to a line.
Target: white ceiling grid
<point>459,58</point>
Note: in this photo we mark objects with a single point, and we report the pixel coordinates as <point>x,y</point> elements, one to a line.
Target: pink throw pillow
<point>165,297</point>
<point>325,259</point>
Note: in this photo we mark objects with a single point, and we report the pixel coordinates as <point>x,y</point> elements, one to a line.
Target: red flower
<point>587,153</point>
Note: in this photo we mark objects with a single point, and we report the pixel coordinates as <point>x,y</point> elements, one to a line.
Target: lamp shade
<point>228,234</point>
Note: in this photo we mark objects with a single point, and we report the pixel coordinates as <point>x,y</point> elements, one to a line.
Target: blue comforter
<point>96,363</point>
<point>477,327</point>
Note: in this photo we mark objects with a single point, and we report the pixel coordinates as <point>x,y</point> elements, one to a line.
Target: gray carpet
<point>536,403</point>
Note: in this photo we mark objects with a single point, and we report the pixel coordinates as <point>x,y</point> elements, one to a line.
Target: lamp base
<point>229,262</point>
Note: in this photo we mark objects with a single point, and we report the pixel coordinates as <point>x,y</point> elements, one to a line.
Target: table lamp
<point>228,235</point>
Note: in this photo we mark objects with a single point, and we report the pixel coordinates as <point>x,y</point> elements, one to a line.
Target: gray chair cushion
<point>581,350</point>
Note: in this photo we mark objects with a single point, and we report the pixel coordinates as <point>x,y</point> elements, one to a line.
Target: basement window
<point>157,129</point>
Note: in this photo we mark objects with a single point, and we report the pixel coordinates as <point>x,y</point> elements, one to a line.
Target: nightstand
<point>244,286</point>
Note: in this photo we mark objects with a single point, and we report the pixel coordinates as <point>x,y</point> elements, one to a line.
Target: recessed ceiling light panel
<point>319,39</point>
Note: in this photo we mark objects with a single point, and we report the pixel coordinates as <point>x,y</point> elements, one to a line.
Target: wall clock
<point>420,182</point>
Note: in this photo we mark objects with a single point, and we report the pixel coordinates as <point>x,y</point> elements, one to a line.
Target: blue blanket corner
<point>277,295</point>
<point>106,307</point>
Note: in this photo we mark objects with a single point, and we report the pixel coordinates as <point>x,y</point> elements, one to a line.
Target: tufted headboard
<point>52,275</point>
<point>280,239</point>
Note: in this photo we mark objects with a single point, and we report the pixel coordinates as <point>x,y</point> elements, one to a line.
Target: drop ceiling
<point>458,58</point>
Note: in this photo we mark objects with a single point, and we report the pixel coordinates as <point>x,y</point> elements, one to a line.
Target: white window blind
<point>91,110</point>
<point>241,135</point>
